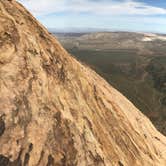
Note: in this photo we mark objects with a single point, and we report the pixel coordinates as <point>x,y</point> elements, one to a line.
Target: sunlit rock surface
<point>56,112</point>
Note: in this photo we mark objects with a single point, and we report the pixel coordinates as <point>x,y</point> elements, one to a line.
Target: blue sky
<point>123,15</point>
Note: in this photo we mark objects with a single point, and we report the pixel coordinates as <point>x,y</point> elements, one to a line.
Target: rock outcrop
<point>54,111</point>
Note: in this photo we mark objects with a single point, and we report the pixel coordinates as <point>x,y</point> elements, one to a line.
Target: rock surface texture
<point>56,112</point>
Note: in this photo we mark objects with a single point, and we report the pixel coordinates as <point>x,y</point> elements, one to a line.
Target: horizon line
<point>91,30</point>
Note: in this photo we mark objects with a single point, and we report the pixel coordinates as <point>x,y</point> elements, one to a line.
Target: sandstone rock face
<point>56,112</point>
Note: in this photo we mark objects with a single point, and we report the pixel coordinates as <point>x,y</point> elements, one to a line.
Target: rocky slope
<point>55,111</point>
<point>135,63</point>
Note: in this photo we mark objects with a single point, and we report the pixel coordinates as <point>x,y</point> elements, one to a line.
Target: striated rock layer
<point>54,111</point>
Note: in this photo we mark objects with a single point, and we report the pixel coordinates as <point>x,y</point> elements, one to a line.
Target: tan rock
<point>55,111</point>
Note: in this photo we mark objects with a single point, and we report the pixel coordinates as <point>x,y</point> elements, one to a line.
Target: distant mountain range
<point>77,30</point>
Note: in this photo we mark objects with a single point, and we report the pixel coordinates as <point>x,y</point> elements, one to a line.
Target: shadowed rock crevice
<point>2,126</point>
<point>41,157</point>
<point>26,159</point>
<point>120,163</point>
<point>50,161</point>
<point>4,160</point>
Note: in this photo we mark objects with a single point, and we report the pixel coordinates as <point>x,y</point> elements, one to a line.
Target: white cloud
<point>43,7</point>
<point>112,7</point>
